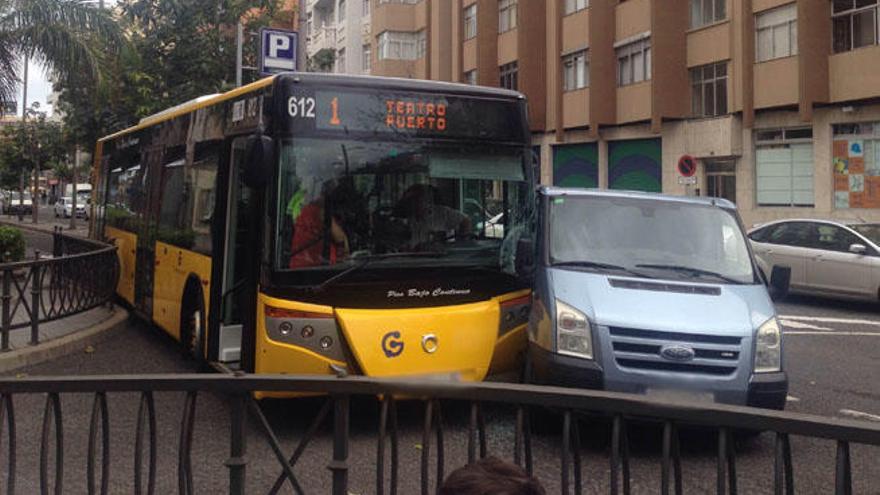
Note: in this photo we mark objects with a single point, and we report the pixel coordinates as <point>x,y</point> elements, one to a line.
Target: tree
<point>27,146</point>
<point>70,36</point>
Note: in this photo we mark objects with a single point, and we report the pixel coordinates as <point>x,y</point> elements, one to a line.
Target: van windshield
<point>650,238</point>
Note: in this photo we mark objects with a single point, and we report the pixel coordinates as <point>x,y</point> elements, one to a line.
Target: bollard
<point>35,302</point>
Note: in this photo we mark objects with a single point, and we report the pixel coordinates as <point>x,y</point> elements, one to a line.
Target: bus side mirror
<point>525,258</point>
<point>780,280</point>
<point>259,158</point>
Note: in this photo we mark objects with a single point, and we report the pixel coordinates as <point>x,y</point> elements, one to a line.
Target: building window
<point>506,15</point>
<point>855,165</point>
<point>784,167</point>
<point>855,24</point>
<point>367,61</point>
<point>709,90</point>
<point>705,12</point>
<point>634,62</point>
<point>776,33</point>
<point>575,71</point>
<point>340,11</point>
<point>398,45</point>
<point>509,76</point>
<point>366,8</point>
<point>470,77</point>
<point>470,21</point>
<point>421,44</point>
<point>572,6</point>
<point>340,60</point>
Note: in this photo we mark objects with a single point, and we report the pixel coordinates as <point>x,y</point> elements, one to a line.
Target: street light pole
<point>73,189</point>
<point>23,120</point>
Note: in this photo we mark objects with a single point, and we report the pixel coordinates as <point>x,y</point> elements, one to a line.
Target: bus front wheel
<point>192,323</point>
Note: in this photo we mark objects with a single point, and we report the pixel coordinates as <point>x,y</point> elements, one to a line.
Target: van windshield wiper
<point>364,260</point>
<point>693,271</point>
<point>600,266</point>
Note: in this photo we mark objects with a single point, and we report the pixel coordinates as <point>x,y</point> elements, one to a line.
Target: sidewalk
<point>47,225</point>
<point>75,333</point>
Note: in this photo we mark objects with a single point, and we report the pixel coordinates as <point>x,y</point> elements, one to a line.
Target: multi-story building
<point>778,100</point>
<point>338,35</point>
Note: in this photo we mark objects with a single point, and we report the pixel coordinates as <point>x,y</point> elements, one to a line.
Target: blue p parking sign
<point>278,49</point>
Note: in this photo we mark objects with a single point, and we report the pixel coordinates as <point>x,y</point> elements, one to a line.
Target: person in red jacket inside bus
<point>318,236</point>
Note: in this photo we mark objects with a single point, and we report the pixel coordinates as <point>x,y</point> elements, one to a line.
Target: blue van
<point>652,294</point>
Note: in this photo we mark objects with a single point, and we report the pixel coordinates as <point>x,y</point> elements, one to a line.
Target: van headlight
<point>573,336</point>
<point>768,347</point>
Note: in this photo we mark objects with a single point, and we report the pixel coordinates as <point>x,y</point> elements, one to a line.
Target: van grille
<point>641,349</point>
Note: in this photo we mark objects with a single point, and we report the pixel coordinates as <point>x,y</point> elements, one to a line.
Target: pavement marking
<point>803,326</point>
<point>835,334</point>
<point>791,398</point>
<point>859,415</point>
<point>828,319</point>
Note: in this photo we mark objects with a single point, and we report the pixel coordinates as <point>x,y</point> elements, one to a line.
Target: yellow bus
<point>318,224</point>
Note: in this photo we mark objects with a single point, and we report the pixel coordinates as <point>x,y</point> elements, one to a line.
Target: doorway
<point>721,179</point>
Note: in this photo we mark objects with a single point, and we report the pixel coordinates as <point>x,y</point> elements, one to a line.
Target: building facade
<point>777,100</point>
<point>338,35</point>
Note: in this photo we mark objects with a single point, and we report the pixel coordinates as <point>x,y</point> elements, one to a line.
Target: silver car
<point>826,258</point>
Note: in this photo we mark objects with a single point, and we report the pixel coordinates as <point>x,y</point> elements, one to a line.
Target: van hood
<point>664,305</point>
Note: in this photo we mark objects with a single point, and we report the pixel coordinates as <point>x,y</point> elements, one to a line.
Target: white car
<point>64,208</point>
<point>827,258</point>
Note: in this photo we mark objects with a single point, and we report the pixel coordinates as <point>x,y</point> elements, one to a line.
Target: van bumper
<point>549,368</point>
<point>768,390</point>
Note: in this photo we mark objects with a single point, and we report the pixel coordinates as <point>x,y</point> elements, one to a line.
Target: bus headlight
<point>573,336</point>
<point>768,347</point>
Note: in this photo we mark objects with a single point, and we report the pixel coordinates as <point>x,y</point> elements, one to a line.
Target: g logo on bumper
<point>392,346</point>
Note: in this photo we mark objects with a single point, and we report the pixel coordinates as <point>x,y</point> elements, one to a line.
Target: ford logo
<point>677,352</point>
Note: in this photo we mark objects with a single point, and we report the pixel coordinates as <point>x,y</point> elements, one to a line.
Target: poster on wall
<point>856,167</point>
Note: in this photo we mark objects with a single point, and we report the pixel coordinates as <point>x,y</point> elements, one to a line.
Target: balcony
<point>855,75</point>
<point>776,83</point>
<point>322,37</point>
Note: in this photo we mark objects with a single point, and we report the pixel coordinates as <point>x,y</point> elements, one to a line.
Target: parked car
<point>655,295</point>
<point>64,208</point>
<point>827,258</point>
<point>20,204</point>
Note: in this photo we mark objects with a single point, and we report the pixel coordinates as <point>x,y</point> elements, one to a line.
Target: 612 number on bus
<point>302,107</point>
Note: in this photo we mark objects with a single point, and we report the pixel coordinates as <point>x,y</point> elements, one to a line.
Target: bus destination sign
<point>407,114</point>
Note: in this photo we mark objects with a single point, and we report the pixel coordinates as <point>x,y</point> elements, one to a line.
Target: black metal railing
<point>80,275</point>
<point>230,406</point>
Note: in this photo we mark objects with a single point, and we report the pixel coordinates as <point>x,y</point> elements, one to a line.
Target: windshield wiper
<point>600,266</point>
<point>366,259</point>
<point>693,271</point>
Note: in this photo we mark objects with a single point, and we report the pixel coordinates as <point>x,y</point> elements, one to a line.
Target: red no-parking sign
<point>687,166</point>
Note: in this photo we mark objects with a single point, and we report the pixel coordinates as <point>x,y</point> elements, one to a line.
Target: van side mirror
<point>525,258</point>
<point>259,159</point>
<point>780,280</point>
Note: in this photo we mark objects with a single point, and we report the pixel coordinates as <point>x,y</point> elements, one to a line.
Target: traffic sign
<point>278,48</point>
<point>687,166</point>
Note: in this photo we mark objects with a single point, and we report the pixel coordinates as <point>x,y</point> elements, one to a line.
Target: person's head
<point>491,476</point>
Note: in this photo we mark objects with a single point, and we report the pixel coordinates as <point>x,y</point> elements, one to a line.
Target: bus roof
<point>319,78</point>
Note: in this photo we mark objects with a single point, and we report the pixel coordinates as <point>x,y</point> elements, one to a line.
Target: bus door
<point>149,178</point>
<point>238,232</point>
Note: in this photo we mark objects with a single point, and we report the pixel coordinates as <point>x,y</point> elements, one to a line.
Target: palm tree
<point>69,36</point>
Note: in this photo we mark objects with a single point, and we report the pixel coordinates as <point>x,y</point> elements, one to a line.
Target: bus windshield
<point>397,204</point>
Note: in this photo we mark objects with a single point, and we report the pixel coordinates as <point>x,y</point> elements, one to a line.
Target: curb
<point>65,345</point>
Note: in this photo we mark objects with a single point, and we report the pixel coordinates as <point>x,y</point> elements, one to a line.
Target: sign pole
<point>239,41</point>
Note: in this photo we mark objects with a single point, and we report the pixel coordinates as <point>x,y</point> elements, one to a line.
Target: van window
<point>659,239</point>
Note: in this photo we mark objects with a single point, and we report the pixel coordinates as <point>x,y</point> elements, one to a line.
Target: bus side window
<point>171,229</point>
<point>201,183</point>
